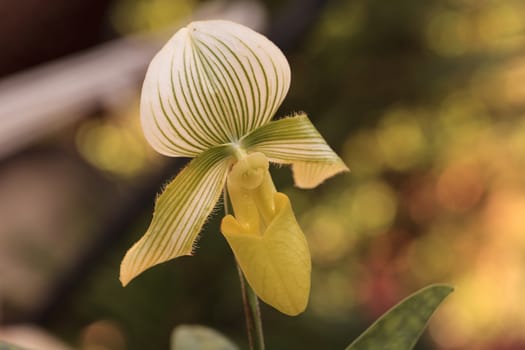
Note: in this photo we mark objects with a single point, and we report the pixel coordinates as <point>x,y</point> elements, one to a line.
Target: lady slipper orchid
<point>210,94</point>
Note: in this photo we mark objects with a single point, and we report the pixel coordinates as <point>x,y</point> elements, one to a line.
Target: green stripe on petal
<point>212,83</point>
<point>180,213</point>
<point>294,140</point>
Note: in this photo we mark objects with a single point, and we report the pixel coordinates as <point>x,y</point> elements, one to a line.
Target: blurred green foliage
<point>186,337</point>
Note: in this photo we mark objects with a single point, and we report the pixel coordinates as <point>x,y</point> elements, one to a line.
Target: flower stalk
<point>252,314</point>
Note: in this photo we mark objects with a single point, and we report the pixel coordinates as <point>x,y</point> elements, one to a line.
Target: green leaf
<point>212,83</point>
<point>401,326</point>
<point>180,213</point>
<point>6,346</point>
<point>186,337</point>
<point>294,140</point>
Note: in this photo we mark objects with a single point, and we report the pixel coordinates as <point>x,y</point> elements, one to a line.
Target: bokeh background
<point>424,100</point>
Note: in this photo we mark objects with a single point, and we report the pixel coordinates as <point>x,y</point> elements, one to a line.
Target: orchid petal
<point>212,83</point>
<point>276,264</point>
<point>180,213</point>
<point>294,140</point>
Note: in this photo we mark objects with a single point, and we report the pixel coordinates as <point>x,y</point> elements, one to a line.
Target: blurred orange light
<point>460,187</point>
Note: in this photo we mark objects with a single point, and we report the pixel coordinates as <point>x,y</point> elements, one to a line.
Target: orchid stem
<point>252,312</point>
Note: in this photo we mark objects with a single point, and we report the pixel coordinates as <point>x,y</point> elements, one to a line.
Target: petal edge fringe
<point>180,212</point>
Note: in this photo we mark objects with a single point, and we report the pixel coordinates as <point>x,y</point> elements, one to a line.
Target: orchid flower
<point>210,94</point>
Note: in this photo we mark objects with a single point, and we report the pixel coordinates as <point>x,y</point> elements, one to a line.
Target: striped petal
<point>212,83</point>
<point>294,140</point>
<point>180,212</point>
